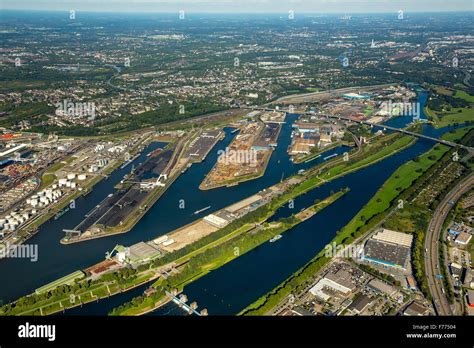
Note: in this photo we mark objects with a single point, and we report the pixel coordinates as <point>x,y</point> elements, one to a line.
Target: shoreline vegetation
<point>398,143</point>
<point>401,184</point>
<point>213,258</point>
<point>381,148</point>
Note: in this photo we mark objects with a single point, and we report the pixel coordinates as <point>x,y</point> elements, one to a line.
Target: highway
<point>432,264</point>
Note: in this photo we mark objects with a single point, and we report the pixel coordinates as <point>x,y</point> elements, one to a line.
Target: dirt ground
<point>188,235</point>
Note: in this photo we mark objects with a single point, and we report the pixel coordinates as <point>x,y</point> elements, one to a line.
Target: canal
<point>20,276</point>
<point>221,291</point>
<point>231,288</point>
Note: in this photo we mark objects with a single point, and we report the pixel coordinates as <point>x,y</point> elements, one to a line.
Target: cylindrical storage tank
<point>62,182</point>
<point>68,184</point>
<point>71,176</point>
<point>34,202</point>
<point>82,177</point>
<point>33,211</point>
<point>28,201</point>
<point>73,185</point>
<point>25,216</point>
<point>55,186</point>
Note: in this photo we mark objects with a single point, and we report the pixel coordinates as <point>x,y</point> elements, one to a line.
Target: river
<point>221,291</point>
<point>20,276</point>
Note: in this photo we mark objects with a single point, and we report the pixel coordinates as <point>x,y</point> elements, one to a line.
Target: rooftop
<point>389,254</point>
<point>394,237</point>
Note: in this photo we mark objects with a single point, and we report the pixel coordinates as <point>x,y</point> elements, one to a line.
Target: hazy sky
<point>249,6</point>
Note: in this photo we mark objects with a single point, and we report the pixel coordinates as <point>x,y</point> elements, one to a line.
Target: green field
<point>456,115</point>
<point>214,258</point>
<point>456,134</point>
<point>370,215</point>
<point>401,179</point>
<point>463,95</point>
<point>69,279</point>
<point>46,180</point>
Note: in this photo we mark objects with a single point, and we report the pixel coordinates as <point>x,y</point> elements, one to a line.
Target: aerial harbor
<point>252,161</point>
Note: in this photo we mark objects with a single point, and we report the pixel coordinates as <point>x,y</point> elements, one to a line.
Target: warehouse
<point>360,304</point>
<point>389,248</point>
<point>416,309</point>
<point>333,282</point>
<point>216,221</point>
<point>463,238</point>
<point>142,252</point>
<point>381,287</point>
<point>394,237</point>
<point>386,254</point>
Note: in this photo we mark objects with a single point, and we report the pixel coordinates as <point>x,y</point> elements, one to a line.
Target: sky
<point>242,6</point>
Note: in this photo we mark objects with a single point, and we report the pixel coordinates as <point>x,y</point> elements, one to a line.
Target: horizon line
<point>226,13</point>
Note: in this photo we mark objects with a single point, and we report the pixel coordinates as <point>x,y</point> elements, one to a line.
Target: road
<point>432,264</point>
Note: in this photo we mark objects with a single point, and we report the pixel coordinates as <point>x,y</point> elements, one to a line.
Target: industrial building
<point>216,221</point>
<point>416,309</point>
<point>380,287</point>
<point>138,253</point>
<point>339,281</point>
<point>355,96</point>
<point>389,248</point>
<point>463,238</point>
<point>360,304</point>
<point>394,237</point>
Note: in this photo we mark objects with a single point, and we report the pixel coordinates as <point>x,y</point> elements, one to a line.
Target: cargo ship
<point>201,210</point>
<point>130,161</point>
<point>274,239</point>
<point>154,152</point>
<point>328,157</point>
<point>61,213</point>
<point>312,159</point>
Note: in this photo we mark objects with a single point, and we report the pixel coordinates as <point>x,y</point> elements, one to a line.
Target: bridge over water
<point>385,127</point>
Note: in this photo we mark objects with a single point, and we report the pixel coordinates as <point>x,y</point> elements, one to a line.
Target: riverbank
<point>216,257</point>
<point>295,192</point>
<point>370,216</point>
<point>143,207</point>
<point>388,145</point>
<point>33,226</point>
